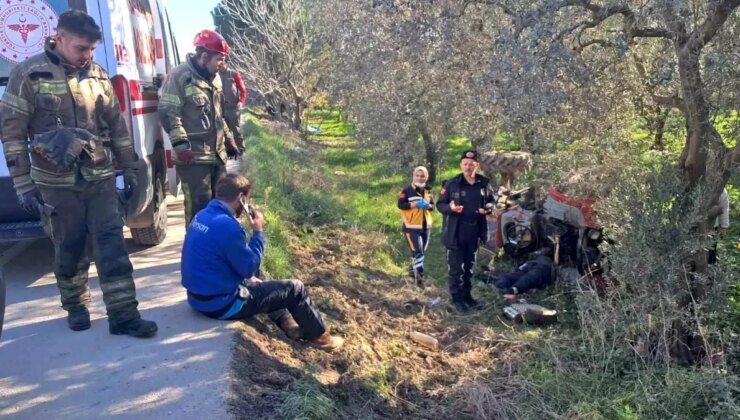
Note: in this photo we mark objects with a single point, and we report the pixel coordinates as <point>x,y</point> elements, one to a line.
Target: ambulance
<point>137,50</point>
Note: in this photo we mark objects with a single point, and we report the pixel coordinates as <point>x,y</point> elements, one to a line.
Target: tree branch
<point>601,13</point>
<point>706,31</point>
<point>586,4</point>
<point>651,33</point>
<point>584,45</point>
<point>670,101</point>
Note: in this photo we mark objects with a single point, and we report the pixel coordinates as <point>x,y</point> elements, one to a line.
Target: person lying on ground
<point>534,274</point>
<point>219,266</point>
<point>416,204</point>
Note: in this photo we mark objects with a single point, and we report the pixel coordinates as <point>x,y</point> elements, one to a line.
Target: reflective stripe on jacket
<point>191,110</point>
<point>45,93</point>
<point>414,218</point>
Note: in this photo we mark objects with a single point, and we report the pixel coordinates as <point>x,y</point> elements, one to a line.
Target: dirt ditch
<point>380,372</point>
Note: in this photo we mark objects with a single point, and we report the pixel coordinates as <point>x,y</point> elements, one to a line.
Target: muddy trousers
<point>83,215</point>
<point>199,185</point>
<point>460,263</point>
<point>418,240</point>
<point>280,299</point>
<point>231,116</point>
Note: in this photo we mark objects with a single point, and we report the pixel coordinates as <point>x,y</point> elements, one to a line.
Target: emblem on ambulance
<point>25,26</point>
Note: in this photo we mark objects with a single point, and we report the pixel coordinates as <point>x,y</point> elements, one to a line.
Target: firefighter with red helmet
<point>191,110</point>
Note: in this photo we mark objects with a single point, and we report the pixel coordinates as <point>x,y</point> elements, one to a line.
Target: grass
<point>306,400</point>
<point>333,222</point>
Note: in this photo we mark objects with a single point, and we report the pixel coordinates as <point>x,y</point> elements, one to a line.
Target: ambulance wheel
<point>154,234</point>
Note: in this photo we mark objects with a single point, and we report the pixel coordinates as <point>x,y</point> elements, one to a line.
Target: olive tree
<point>682,55</point>
<point>553,72</point>
<point>411,74</point>
<point>272,44</point>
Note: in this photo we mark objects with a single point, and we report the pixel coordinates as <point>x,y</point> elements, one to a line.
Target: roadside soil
<point>380,372</point>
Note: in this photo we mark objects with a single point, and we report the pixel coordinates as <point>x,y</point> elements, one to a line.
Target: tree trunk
<point>689,345</point>
<point>478,143</point>
<point>431,155</point>
<point>659,129</point>
<point>484,143</point>
<point>297,113</point>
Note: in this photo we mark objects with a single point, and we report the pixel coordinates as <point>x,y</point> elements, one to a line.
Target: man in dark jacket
<point>534,274</point>
<point>464,202</point>
<point>219,266</point>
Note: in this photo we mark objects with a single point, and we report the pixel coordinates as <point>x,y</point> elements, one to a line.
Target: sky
<point>187,18</point>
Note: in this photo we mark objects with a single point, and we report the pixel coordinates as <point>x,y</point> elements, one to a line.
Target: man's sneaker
<point>327,342</point>
<point>291,328</point>
<point>472,303</point>
<point>78,319</point>
<point>138,328</point>
<point>420,281</point>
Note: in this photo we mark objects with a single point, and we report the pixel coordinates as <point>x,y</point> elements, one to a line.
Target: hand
<point>130,181</point>
<point>253,280</point>
<point>257,224</point>
<point>31,201</point>
<point>483,211</point>
<point>185,156</point>
<point>231,149</point>
<point>455,208</point>
<point>422,204</point>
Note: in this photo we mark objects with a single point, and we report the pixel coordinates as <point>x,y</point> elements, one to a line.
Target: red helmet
<point>212,41</point>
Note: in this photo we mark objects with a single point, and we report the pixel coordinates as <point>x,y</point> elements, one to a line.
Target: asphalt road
<point>49,371</point>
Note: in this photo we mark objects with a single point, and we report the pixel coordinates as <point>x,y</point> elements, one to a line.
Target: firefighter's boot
<point>78,319</point>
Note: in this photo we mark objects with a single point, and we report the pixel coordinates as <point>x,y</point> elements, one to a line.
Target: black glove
<point>130,181</point>
<point>62,147</point>
<point>31,201</point>
<point>231,149</point>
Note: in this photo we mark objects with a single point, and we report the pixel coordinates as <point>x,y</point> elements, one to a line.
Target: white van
<point>137,49</point>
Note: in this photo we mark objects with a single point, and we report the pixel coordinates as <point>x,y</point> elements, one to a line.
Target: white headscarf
<point>417,169</point>
<point>420,168</point>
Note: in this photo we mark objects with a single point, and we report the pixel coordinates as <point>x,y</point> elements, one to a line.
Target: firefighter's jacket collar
<point>56,59</point>
<point>199,71</point>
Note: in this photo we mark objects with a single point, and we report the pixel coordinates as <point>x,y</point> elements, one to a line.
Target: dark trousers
<point>74,214</point>
<point>199,185</point>
<point>231,116</point>
<point>712,254</point>
<point>534,276</point>
<point>460,263</point>
<point>418,240</point>
<point>280,299</point>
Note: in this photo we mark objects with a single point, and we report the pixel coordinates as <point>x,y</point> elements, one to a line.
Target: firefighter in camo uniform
<point>191,110</point>
<point>235,96</point>
<point>65,104</point>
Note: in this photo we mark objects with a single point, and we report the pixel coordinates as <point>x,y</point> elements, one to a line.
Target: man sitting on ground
<point>219,266</point>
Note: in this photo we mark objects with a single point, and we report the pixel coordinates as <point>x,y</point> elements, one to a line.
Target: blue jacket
<point>216,257</point>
